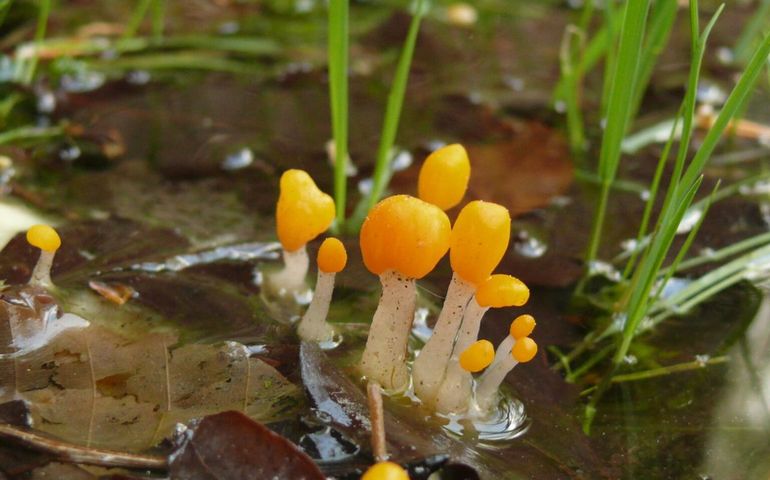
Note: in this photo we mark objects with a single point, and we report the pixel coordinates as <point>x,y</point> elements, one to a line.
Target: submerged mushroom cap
<point>477,356</point>
<point>303,211</point>
<point>524,350</point>
<point>444,176</point>
<point>404,234</point>
<point>44,237</point>
<point>332,256</point>
<point>502,291</point>
<point>480,237</point>
<point>522,326</point>
<point>385,471</point>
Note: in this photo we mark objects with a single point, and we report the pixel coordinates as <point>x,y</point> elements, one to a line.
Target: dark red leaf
<point>230,445</point>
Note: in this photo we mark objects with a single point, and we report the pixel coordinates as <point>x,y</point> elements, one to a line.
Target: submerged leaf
<point>230,445</point>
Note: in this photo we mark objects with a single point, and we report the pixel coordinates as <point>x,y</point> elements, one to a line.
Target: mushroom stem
<point>313,326</point>
<point>503,351</point>
<point>490,381</point>
<point>430,365</point>
<point>41,275</point>
<point>456,387</point>
<point>292,278</point>
<point>384,359</point>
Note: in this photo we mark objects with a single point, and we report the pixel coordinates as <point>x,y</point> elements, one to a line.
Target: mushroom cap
<point>303,211</point>
<point>332,256</point>
<point>502,291</point>
<point>477,356</point>
<point>385,471</point>
<point>44,237</point>
<point>522,326</point>
<point>404,234</point>
<point>444,176</point>
<point>479,240</point>
<point>524,350</point>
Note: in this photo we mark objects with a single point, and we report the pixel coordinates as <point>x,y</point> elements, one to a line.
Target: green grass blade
<point>393,109</point>
<point>42,24</point>
<point>391,119</point>
<point>571,46</point>
<point>137,16</point>
<point>620,95</point>
<point>338,95</point>
<point>158,19</point>
<point>752,31</point>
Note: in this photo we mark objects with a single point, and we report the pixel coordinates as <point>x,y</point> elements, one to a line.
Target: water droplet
<point>238,160</point>
<point>365,186</point>
<point>529,246</point>
<point>138,77</point>
<point>82,81</point>
<point>514,83</point>
<point>630,360</point>
<point>46,102</point>
<point>70,153</point>
<point>560,106</point>
<point>725,55</point>
<point>401,161</point>
<point>597,267</point>
<point>702,360</point>
<point>690,219</point>
<point>711,94</point>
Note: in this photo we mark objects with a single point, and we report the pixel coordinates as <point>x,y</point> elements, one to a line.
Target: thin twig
<point>77,454</point>
<point>377,416</point>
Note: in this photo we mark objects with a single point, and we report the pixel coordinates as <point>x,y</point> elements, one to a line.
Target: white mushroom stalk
<point>488,385</point>
<point>498,291</point>
<point>479,240</point>
<point>402,240</point>
<point>456,390</point>
<point>291,278</point>
<point>332,258</point>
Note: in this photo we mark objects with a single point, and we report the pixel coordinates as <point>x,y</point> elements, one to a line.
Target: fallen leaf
<point>230,445</point>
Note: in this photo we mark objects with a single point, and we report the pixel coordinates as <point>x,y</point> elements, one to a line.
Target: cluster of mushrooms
<point>401,241</point>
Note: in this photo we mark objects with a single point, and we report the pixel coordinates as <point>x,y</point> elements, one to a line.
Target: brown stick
<point>78,454</point>
<point>377,417</point>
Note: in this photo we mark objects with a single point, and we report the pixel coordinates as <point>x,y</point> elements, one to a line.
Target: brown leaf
<point>230,445</point>
<point>117,293</point>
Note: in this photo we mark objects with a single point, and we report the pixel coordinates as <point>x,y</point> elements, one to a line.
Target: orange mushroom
<point>444,177</point>
<point>48,241</point>
<point>523,351</point>
<point>332,258</point>
<point>497,291</point>
<point>402,239</point>
<point>303,212</point>
<point>479,240</point>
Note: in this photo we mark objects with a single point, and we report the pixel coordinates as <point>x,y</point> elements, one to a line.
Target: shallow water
<point>177,215</point>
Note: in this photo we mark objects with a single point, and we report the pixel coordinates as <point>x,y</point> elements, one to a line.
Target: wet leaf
<point>229,445</point>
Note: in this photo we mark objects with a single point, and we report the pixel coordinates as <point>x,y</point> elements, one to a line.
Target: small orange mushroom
<point>402,239</point>
<point>479,240</point>
<point>523,351</point>
<point>303,212</point>
<point>332,258</point>
<point>444,177</point>
<point>385,471</point>
<point>48,241</point>
<point>497,291</point>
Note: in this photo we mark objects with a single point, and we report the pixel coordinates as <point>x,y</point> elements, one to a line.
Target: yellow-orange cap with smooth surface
<point>303,211</point>
<point>478,356</point>
<point>444,176</point>
<point>385,471</point>
<point>479,239</point>
<point>524,350</point>
<point>332,256</point>
<point>404,234</point>
<point>502,291</point>
<point>43,237</point>
<point>522,326</point>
